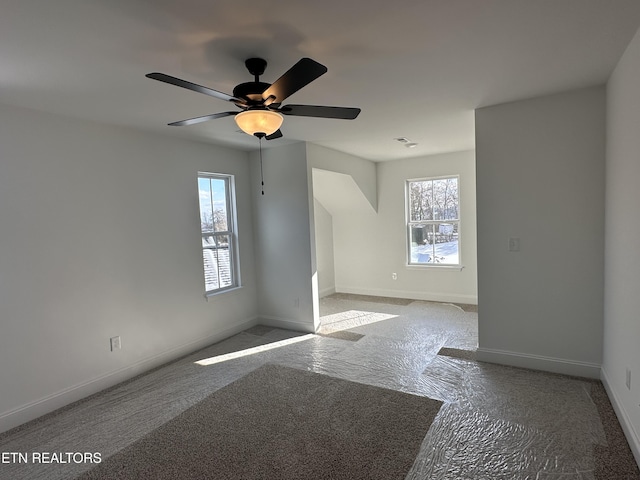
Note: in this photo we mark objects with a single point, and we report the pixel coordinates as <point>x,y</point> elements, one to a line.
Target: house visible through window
<point>433,220</point>
<point>218,231</point>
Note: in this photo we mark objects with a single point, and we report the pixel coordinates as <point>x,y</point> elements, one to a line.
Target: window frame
<point>410,223</point>
<point>230,232</point>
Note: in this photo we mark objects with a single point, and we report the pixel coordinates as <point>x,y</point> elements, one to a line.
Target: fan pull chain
<point>261,173</point>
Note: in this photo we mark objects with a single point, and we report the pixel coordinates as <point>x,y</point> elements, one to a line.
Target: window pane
<point>217,261</point>
<point>206,201</point>
<point>434,243</point>
<point>213,204</point>
<point>445,199</point>
<point>219,204</point>
<point>420,194</point>
<point>446,243</point>
<point>421,250</point>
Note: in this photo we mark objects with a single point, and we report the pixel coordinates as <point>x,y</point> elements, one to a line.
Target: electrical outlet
<point>628,381</point>
<point>394,276</point>
<point>115,343</point>
<point>514,244</point>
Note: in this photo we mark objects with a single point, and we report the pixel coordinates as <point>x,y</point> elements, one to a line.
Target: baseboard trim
<point>623,417</point>
<point>413,295</point>
<point>32,410</point>
<point>326,292</point>
<point>539,362</point>
<point>286,324</point>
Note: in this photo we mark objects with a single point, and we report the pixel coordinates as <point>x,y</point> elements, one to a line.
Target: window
<point>433,221</point>
<point>218,231</point>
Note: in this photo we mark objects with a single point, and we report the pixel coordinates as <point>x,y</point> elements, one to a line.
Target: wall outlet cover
<point>115,343</point>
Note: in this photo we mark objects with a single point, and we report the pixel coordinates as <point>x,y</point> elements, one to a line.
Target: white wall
<point>283,238</point>
<point>369,246</point>
<point>324,250</point>
<point>540,178</point>
<point>100,237</point>
<point>622,257</point>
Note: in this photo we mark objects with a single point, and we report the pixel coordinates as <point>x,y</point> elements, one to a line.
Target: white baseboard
<point>286,324</point>
<point>413,295</point>
<point>325,292</point>
<point>539,362</point>
<point>32,410</point>
<point>623,417</point>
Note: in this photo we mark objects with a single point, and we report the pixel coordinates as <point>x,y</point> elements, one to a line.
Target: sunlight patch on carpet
<point>350,319</point>
<point>253,350</point>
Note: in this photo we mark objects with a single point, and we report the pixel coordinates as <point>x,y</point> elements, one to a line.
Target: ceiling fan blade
<point>344,113</point>
<point>192,121</point>
<point>301,74</point>
<point>274,135</point>
<point>161,77</point>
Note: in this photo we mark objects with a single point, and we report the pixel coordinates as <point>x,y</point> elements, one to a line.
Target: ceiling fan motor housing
<point>251,91</point>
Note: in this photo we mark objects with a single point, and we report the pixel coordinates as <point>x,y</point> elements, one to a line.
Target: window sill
<point>414,266</point>
<point>231,291</point>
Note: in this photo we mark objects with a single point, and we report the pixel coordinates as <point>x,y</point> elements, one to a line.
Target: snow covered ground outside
<point>445,253</point>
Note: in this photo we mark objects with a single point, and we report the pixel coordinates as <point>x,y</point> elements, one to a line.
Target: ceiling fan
<point>260,103</point>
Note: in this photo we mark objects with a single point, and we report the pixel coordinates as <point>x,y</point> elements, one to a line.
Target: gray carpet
<point>282,423</point>
<point>457,353</point>
<point>372,299</point>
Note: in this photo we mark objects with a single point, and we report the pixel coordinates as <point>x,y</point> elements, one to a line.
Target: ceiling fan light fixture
<point>259,121</point>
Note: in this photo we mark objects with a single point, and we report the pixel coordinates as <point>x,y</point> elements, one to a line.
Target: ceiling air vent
<point>406,142</point>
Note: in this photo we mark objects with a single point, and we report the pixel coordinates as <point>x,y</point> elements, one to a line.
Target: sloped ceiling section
<point>339,193</point>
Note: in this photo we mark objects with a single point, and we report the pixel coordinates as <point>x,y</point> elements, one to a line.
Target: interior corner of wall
<point>374,203</point>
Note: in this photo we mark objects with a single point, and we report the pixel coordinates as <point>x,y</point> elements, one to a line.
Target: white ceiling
<point>417,68</point>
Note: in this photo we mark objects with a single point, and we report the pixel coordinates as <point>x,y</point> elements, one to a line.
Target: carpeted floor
<point>496,422</point>
<point>371,298</point>
<point>281,423</point>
